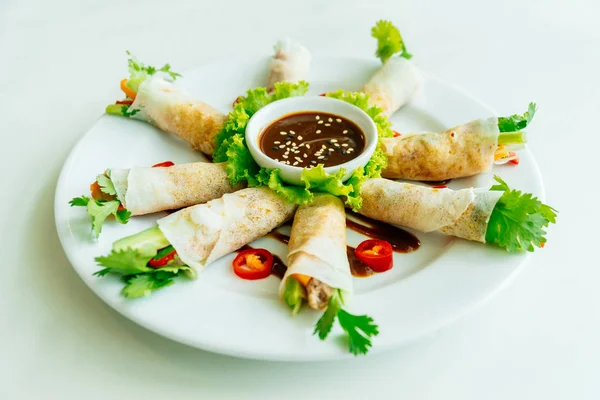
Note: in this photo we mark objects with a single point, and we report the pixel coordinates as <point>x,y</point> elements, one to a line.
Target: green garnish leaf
<point>100,210</point>
<point>389,41</point>
<point>122,216</point>
<point>517,122</point>
<point>140,279</point>
<point>358,327</point>
<point>294,194</point>
<point>79,201</point>
<point>138,69</point>
<point>517,222</point>
<point>318,180</point>
<point>126,113</point>
<point>106,184</point>
<point>125,262</point>
<point>144,284</point>
<point>325,323</point>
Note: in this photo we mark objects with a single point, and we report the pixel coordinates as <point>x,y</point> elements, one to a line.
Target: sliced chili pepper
<point>253,264</point>
<point>164,164</point>
<point>440,187</point>
<point>163,257</point>
<point>323,94</point>
<point>125,102</point>
<point>377,254</point>
<point>396,134</point>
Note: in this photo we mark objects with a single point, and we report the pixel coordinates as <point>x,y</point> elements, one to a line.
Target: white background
<point>60,63</point>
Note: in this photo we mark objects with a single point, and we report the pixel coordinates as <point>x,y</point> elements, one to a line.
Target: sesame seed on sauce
<point>295,137</point>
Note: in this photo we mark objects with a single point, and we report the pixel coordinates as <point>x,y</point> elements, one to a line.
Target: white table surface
<point>59,64</point>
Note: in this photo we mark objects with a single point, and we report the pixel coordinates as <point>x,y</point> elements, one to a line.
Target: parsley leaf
<point>106,184</point>
<point>517,122</point>
<point>122,216</point>
<point>144,284</point>
<point>79,201</point>
<point>125,262</point>
<point>138,69</point>
<point>389,41</point>
<point>517,222</point>
<point>100,210</point>
<point>126,113</point>
<point>360,328</point>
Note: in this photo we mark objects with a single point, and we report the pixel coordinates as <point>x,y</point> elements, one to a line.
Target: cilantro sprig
<point>230,147</point>
<point>359,328</point>
<point>138,69</point>
<point>140,280</point>
<point>518,220</point>
<point>389,41</point>
<point>99,210</point>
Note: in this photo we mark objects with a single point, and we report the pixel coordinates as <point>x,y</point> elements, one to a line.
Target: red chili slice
<point>164,164</point>
<point>253,264</point>
<point>323,94</point>
<point>161,262</point>
<point>396,134</point>
<point>125,102</point>
<point>439,187</point>
<point>377,254</point>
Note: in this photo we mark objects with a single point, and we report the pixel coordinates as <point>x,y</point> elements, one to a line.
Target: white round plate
<point>219,312</point>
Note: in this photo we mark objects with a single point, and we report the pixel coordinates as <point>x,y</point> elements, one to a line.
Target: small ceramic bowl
<point>279,109</point>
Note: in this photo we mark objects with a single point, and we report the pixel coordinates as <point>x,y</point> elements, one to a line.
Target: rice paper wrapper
<point>458,152</point>
<point>203,233</point>
<point>144,190</point>
<point>290,63</point>
<point>472,224</point>
<point>393,85</point>
<point>462,213</point>
<point>175,111</point>
<point>317,246</point>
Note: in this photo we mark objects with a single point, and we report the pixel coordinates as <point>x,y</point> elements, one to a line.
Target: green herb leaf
<point>517,222</point>
<point>517,122</point>
<point>143,285</point>
<point>106,184</point>
<point>138,69</point>
<point>126,113</point>
<point>294,194</point>
<point>325,323</point>
<point>99,211</point>
<point>79,201</point>
<point>125,262</point>
<point>319,180</point>
<point>122,216</point>
<point>389,41</point>
<point>359,329</point>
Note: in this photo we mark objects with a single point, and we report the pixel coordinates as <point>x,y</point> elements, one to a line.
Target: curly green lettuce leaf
<point>318,180</point>
<point>361,100</point>
<point>389,41</point>
<point>294,194</point>
<point>240,166</point>
<point>518,220</point>
<point>517,122</point>
<point>359,328</point>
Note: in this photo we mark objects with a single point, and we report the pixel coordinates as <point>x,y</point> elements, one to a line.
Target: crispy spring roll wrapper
<point>144,190</point>
<point>290,63</point>
<point>393,85</point>
<point>175,111</point>
<point>317,247</point>
<point>462,213</point>
<point>464,150</point>
<point>205,232</point>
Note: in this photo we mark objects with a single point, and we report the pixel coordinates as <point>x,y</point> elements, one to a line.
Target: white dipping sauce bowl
<point>282,108</point>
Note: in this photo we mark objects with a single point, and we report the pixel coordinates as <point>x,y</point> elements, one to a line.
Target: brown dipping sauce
<point>309,138</point>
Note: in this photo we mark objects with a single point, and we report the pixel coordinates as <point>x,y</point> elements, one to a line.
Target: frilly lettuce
<point>389,41</point>
<point>230,147</point>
